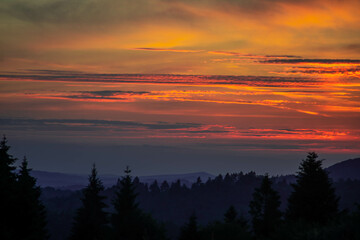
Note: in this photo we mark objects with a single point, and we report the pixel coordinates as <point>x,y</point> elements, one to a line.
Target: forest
<point>233,206</point>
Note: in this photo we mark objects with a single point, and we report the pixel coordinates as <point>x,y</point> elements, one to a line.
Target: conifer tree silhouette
<point>230,215</point>
<point>264,209</point>
<point>313,199</point>
<point>31,212</point>
<point>190,230</point>
<point>233,228</point>
<point>164,186</point>
<point>8,196</point>
<point>90,220</point>
<point>128,221</point>
<point>154,187</point>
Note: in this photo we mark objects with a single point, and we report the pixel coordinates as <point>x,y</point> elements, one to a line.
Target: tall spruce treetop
<point>125,202</point>
<point>126,219</point>
<point>6,160</point>
<point>313,199</point>
<point>90,221</point>
<point>31,218</point>
<point>7,174</point>
<point>7,192</point>
<point>264,209</point>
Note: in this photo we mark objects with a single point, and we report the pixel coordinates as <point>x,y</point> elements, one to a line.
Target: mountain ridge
<point>347,169</point>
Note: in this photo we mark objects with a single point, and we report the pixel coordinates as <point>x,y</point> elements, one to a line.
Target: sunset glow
<point>233,76</point>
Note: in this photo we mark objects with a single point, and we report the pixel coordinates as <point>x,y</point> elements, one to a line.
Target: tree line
<point>312,209</point>
<point>22,215</point>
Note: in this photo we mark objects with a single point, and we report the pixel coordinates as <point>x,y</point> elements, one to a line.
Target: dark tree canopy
<point>232,228</point>
<point>164,186</point>
<point>128,221</point>
<point>154,187</point>
<point>31,212</point>
<point>190,230</point>
<point>90,220</point>
<point>312,211</point>
<point>313,199</point>
<point>8,193</point>
<point>264,209</point>
<point>231,215</point>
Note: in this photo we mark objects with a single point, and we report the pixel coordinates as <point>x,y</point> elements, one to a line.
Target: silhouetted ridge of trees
<point>22,214</point>
<point>235,206</point>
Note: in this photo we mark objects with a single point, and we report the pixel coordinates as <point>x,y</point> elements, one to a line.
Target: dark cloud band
<point>86,124</point>
<point>263,81</point>
<point>316,61</point>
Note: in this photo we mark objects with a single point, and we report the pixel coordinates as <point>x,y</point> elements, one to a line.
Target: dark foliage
<point>313,199</point>
<point>91,219</point>
<point>129,221</point>
<point>232,228</point>
<point>31,218</point>
<point>312,211</point>
<point>231,215</point>
<point>22,215</point>
<point>210,199</point>
<point>264,210</point>
<point>7,192</point>
<point>190,230</point>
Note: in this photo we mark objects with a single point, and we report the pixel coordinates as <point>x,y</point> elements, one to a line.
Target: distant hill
<point>77,181</point>
<point>59,180</point>
<point>348,169</point>
<point>345,169</point>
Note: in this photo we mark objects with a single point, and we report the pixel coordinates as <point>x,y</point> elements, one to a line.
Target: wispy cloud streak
<point>159,79</point>
<point>311,61</point>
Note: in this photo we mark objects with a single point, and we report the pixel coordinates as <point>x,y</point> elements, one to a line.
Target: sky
<point>170,86</point>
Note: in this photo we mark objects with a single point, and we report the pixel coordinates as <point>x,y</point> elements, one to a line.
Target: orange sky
<point>237,76</point>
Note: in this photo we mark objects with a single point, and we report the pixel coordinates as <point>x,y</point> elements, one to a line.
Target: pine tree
<point>8,196</point>
<point>264,209</point>
<point>197,184</point>
<point>164,186</point>
<point>90,221</point>
<point>313,199</point>
<point>154,188</point>
<point>125,220</point>
<point>31,218</point>
<point>190,230</point>
<point>233,228</point>
<point>230,215</point>
<point>128,221</point>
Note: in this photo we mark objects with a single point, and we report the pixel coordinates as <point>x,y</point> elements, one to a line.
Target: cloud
<point>133,129</point>
<point>90,125</point>
<point>261,81</point>
<point>98,12</point>
<point>98,35</point>
<point>107,93</point>
<point>51,71</point>
<point>168,50</point>
<point>352,47</point>
<point>80,11</point>
<point>100,95</point>
<point>328,71</point>
<point>311,61</point>
<point>253,56</point>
